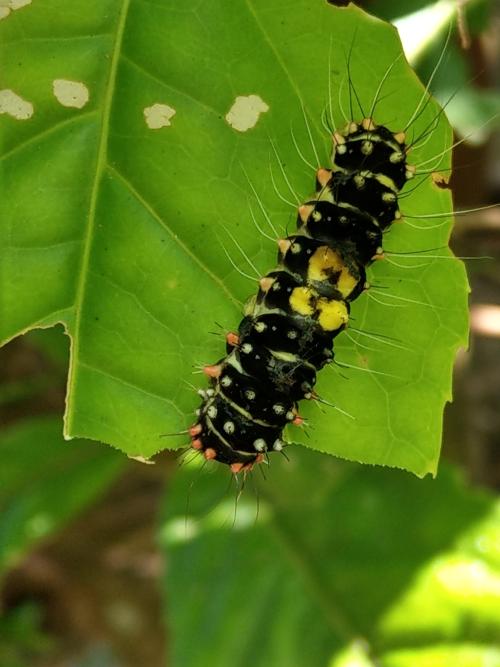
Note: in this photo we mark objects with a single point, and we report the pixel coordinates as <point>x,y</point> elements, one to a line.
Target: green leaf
<point>45,482</point>
<point>462,655</point>
<point>442,655</point>
<point>115,229</point>
<point>23,640</point>
<point>455,596</point>
<point>343,566</point>
<point>354,655</point>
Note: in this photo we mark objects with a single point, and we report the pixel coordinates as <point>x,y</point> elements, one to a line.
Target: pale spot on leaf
<point>8,6</point>
<point>14,105</point>
<point>245,112</point>
<point>16,4</point>
<point>141,459</point>
<point>440,180</point>
<point>70,93</point>
<point>158,116</point>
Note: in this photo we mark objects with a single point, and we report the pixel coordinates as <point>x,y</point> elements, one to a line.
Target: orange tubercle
<point>305,211</point>
<point>236,467</point>
<point>233,339</point>
<point>323,176</point>
<point>298,420</point>
<point>212,371</point>
<point>338,138</point>
<point>197,444</point>
<point>283,245</point>
<point>210,454</point>
<point>194,430</point>
<point>265,283</point>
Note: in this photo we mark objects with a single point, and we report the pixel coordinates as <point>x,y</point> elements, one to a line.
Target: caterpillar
<point>288,330</point>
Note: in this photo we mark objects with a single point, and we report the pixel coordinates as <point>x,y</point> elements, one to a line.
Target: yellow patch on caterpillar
<point>300,301</point>
<point>325,262</point>
<point>332,314</point>
<point>250,304</point>
<point>325,194</point>
<point>285,356</point>
<point>386,181</point>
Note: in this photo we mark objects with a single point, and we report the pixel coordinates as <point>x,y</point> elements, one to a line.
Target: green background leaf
<point>45,482</point>
<point>114,229</point>
<point>395,568</point>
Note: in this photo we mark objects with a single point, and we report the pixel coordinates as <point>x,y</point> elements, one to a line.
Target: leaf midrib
<point>100,165</point>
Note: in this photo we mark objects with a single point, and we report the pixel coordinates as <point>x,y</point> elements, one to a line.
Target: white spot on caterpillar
<point>260,444</point>
<point>229,427</point>
<point>8,6</point>
<point>14,105</point>
<point>70,93</point>
<point>245,112</point>
<point>158,116</point>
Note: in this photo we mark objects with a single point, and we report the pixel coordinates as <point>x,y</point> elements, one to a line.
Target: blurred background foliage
<point>106,562</point>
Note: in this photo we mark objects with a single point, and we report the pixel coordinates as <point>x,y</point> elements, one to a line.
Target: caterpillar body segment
<point>288,330</point>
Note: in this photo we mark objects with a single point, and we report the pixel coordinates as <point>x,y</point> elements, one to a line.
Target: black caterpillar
<point>288,330</point>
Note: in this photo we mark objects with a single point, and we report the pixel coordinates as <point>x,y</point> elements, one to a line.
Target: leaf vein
<point>127,59</point>
<point>156,216</point>
<point>45,133</point>
<point>140,305</point>
<point>278,58</point>
<point>94,195</point>
<point>102,371</point>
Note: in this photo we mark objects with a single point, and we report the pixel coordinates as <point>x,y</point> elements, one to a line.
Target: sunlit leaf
<point>115,209</point>
<point>334,562</point>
